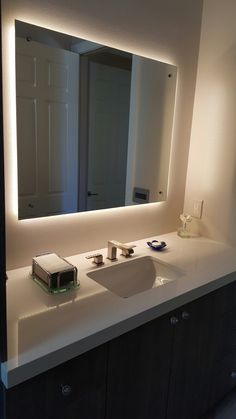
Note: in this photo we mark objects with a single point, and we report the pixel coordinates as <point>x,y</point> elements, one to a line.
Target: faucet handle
<point>97,258</point>
<point>128,250</point>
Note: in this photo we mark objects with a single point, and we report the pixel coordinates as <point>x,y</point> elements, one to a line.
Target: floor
<point>226,409</point>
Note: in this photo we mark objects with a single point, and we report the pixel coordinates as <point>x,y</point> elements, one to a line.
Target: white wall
<point>165,30</point>
<point>212,161</point>
<point>152,105</point>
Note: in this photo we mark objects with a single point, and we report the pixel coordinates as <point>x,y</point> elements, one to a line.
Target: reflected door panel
<point>109,93</point>
<point>47,129</point>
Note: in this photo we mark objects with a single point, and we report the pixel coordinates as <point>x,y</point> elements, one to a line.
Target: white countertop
<point>45,330</point>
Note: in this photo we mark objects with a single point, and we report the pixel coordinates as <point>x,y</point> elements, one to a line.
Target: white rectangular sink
<point>134,276</point>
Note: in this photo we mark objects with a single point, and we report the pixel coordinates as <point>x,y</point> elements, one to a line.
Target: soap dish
<point>53,273</point>
<point>156,245</point>
<point>48,290</point>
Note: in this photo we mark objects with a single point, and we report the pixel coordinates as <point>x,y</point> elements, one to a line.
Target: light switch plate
<point>197,208</point>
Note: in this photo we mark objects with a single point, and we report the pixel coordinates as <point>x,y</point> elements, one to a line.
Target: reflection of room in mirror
<point>94,124</point>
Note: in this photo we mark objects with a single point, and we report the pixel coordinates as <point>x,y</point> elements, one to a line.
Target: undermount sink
<point>134,276</point>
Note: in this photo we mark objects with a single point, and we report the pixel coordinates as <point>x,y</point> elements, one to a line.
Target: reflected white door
<point>109,97</point>
<point>47,129</point>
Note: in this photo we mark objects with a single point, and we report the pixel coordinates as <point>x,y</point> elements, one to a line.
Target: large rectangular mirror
<point>94,124</point>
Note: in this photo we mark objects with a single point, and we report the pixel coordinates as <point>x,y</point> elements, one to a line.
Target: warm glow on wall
<point>79,232</point>
<point>11,128</point>
<point>9,101</point>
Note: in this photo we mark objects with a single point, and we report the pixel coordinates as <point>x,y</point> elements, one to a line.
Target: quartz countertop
<point>46,330</point>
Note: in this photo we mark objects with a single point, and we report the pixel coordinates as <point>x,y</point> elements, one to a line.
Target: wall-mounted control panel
<point>140,195</point>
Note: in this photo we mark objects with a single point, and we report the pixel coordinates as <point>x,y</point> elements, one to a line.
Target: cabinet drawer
<point>73,390</point>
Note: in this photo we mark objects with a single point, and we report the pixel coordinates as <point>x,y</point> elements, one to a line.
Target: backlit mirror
<point>94,124</point>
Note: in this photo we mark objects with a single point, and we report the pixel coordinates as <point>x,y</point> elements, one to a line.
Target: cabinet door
<point>74,390</point>
<point>191,363</point>
<point>224,366</point>
<point>138,372</point>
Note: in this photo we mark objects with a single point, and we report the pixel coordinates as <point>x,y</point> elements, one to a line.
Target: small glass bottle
<point>184,230</point>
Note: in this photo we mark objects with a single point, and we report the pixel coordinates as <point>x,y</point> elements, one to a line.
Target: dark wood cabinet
<point>163,369</point>
<point>223,369</point>
<point>191,360</point>
<point>175,366</point>
<point>73,390</point>
<point>138,372</point>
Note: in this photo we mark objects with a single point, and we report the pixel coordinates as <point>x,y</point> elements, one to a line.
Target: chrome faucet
<point>112,246</point>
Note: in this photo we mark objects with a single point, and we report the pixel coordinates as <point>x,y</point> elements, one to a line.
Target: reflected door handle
<point>91,194</point>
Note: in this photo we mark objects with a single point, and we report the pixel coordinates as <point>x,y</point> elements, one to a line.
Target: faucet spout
<point>113,245</point>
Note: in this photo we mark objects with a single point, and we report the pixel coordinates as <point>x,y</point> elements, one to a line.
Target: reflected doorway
<point>105,81</point>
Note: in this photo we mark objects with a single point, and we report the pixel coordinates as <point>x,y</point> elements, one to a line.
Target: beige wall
<point>162,29</point>
<point>212,160</point>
